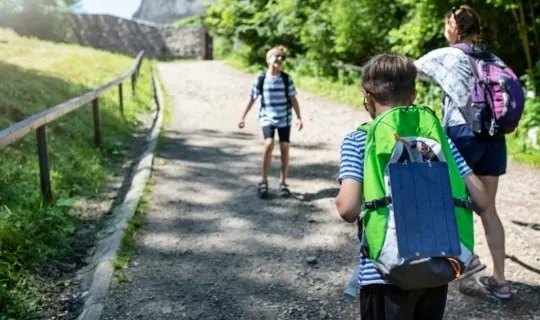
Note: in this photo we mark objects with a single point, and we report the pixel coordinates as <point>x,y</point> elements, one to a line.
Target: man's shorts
<point>284,133</point>
<point>485,156</point>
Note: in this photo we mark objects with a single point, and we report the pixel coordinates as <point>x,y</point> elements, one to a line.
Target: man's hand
<point>242,124</point>
<point>299,124</point>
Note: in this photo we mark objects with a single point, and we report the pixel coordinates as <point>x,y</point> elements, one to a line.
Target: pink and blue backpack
<point>497,96</point>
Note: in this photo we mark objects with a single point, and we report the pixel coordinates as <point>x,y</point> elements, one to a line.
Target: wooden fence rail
<point>39,120</point>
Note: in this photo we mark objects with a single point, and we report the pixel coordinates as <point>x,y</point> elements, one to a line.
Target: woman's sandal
<point>494,287</point>
<point>474,266</point>
<point>262,190</point>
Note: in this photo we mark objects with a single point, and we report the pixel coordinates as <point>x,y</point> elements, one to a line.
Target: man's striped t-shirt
<point>352,167</point>
<point>275,110</point>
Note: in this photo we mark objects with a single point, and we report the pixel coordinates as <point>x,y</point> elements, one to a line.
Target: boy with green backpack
<point>412,194</point>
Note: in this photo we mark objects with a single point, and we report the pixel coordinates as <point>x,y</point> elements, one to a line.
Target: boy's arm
<point>474,185</point>
<point>294,103</point>
<point>253,95</point>
<point>242,122</point>
<point>296,107</point>
<point>351,176</point>
<point>248,107</point>
<point>349,199</point>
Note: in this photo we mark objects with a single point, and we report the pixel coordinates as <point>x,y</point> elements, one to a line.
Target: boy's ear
<point>412,98</point>
<point>369,100</point>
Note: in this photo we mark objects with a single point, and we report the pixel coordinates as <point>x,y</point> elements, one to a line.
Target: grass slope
<point>37,75</point>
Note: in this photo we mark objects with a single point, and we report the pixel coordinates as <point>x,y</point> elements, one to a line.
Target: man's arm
<point>349,199</point>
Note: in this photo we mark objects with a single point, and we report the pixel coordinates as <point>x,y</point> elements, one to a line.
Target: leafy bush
<point>352,31</point>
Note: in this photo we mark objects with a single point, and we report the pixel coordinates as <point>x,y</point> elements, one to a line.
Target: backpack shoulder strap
<point>366,126</point>
<point>472,64</point>
<point>464,47</point>
<point>260,84</point>
<point>474,56</point>
<point>286,80</point>
<point>468,50</point>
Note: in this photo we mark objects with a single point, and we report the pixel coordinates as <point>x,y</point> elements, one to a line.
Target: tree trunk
<point>522,28</point>
<point>535,32</point>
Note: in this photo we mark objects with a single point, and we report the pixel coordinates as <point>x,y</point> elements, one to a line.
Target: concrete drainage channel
<point>97,276</point>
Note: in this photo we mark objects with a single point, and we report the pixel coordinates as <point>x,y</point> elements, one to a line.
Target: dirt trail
<point>213,250</point>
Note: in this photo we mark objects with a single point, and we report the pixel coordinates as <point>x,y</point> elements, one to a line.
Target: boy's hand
<point>242,124</point>
<point>299,124</point>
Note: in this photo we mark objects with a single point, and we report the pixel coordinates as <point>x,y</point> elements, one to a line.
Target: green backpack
<point>416,214</point>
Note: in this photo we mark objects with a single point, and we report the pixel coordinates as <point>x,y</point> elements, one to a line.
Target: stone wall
<point>131,36</point>
<point>113,33</point>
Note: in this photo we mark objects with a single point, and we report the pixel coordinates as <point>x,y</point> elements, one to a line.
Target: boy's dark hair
<point>390,78</point>
<point>467,21</point>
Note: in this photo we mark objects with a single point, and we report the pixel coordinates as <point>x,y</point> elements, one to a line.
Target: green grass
<point>520,152</point>
<point>35,76</point>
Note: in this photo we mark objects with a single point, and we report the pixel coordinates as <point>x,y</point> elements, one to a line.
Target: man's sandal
<point>494,287</point>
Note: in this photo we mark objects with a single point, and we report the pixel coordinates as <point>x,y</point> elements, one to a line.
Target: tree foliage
<point>353,30</point>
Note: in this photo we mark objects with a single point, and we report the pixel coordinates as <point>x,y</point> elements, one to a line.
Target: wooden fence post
<point>97,126</point>
<point>121,98</point>
<point>44,173</point>
<point>133,79</point>
<point>208,47</point>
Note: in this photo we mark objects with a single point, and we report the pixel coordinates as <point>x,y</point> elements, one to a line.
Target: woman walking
<point>486,154</point>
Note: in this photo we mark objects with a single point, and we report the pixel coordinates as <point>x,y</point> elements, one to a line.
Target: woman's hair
<point>467,21</point>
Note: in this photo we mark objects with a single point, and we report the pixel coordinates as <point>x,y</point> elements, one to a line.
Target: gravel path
<point>213,250</point>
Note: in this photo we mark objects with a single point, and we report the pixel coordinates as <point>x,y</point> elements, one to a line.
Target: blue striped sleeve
<point>368,274</point>
<point>254,92</point>
<point>464,169</point>
<point>352,157</point>
<point>291,88</point>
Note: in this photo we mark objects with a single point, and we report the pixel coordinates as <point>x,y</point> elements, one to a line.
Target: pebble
<point>311,260</point>
<point>185,251</point>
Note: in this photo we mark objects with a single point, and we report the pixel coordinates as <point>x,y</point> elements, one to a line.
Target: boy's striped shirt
<point>275,110</point>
